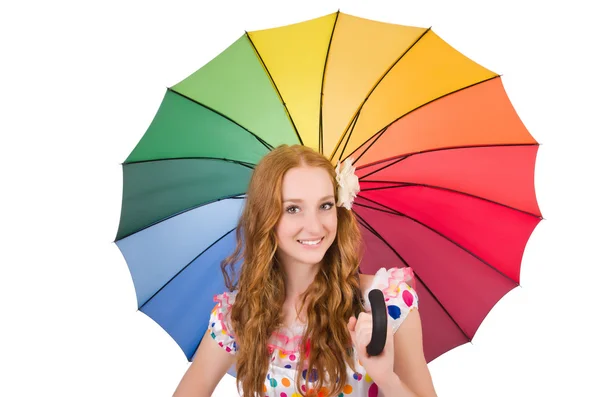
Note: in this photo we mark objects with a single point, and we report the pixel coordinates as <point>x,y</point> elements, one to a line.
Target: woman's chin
<point>310,257</point>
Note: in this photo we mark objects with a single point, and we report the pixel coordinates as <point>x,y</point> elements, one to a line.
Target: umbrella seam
<point>262,141</point>
<point>403,156</point>
<point>185,267</point>
<point>384,129</point>
<point>410,184</point>
<point>358,111</point>
<point>238,196</point>
<point>351,126</point>
<point>399,159</point>
<point>275,86</point>
<point>323,84</point>
<point>242,163</point>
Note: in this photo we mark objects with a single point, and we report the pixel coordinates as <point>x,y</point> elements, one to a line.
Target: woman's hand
<point>379,367</point>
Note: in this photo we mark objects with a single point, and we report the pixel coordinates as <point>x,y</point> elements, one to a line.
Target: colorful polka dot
<point>283,394</point>
<point>314,376</point>
<point>357,376</point>
<point>394,311</point>
<point>282,354</point>
<point>264,388</point>
<point>368,378</point>
<point>292,357</point>
<point>288,366</point>
<point>347,389</point>
<point>408,298</point>
<point>373,390</point>
<point>285,382</point>
<point>296,395</point>
<point>273,383</point>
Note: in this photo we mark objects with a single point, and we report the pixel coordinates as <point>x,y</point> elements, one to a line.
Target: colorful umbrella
<point>446,167</point>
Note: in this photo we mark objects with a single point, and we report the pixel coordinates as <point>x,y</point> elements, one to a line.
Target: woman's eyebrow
<point>295,200</point>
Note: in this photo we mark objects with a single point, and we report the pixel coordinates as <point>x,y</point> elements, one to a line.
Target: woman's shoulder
<point>223,304</point>
<point>384,277</point>
<point>219,323</point>
<point>225,298</point>
<point>397,285</point>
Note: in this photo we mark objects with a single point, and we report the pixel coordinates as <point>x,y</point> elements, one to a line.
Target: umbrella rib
<point>410,184</point>
<point>238,196</point>
<point>372,230</point>
<point>378,209</point>
<point>413,110</point>
<point>404,156</point>
<point>351,125</point>
<point>262,141</point>
<point>398,213</point>
<point>357,113</point>
<point>242,163</point>
<point>323,84</point>
<point>183,268</point>
<point>399,159</point>
<point>275,86</point>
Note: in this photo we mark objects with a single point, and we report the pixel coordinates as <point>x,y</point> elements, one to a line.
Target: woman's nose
<point>313,222</point>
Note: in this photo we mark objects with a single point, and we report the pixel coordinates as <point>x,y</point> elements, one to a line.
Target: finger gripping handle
<point>379,313</point>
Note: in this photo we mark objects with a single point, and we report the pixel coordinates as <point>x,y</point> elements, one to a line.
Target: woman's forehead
<point>306,183</point>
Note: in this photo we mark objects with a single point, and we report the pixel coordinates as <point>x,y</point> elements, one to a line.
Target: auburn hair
<point>330,300</point>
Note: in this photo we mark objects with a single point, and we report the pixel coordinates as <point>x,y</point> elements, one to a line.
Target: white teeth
<point>307,242</point>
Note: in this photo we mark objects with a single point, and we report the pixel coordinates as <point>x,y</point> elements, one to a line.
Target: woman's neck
<point>297,278</point>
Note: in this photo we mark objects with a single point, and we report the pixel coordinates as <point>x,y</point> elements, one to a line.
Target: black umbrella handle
<point>379,313</point>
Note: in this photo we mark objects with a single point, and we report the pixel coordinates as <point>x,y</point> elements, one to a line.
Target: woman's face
<point>308,223</point>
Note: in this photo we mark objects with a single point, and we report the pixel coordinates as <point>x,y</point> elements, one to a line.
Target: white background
<point>81,81</point>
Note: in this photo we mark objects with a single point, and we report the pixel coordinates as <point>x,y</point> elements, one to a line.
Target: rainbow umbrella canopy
<point>446,168</point>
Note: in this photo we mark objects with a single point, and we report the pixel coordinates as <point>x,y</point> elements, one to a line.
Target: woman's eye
<point>291,209</point>
<point>328,206</point>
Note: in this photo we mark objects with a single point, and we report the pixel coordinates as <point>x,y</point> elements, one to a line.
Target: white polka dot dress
<point>400,298</point>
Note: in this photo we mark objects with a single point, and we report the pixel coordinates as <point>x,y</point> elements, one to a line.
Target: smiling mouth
<point>311,243</point>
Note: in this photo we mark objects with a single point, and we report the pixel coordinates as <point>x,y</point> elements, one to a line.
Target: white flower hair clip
<point>347,183</point>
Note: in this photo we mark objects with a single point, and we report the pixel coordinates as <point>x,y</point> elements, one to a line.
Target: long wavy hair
<point>331,299</point>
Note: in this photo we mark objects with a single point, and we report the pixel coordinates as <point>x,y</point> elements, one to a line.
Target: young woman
<point>297,321</point>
